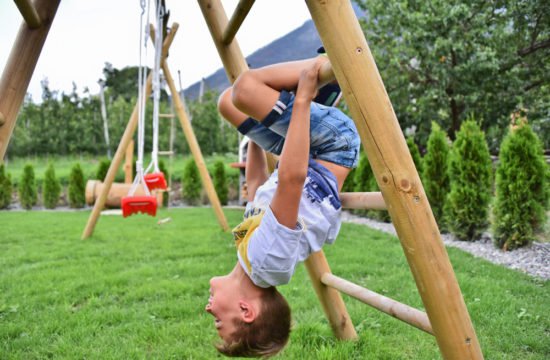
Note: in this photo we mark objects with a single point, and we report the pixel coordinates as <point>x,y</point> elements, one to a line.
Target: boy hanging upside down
<point>291,213</point>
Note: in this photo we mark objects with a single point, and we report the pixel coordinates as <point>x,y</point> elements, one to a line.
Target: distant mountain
<point>301,43</point>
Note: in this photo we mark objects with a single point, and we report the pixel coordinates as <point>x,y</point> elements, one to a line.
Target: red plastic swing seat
<point>139,204</point>
<point>155,181</point>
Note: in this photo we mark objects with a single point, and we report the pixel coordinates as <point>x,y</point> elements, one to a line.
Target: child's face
<point>223,304</point>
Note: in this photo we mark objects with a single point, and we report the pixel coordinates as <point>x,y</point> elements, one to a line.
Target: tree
<point>434,172</point>
<point>446,59</point>
<point>220,181</point>
<point>5,188</point>
<point>27,188</point>
<point>191,183</point>
<point>213,134</point>
<point>76,187</point>
<point>51,189</point>
<point>470,173</point>
<point>522,188</point>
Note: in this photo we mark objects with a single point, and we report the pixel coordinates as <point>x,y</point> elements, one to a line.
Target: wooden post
<point>234,64</point>
<point>243,7</point>
<point>26,8</point>
<point>195,149</point>
<point>123,145</point>
<point>392,164</point>
<point>330,299</point>
<point>232,58</point>
<point>20,67</point>
<point>129,163</point>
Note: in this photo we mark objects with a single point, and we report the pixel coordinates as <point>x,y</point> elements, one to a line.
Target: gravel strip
<point>533,260</point>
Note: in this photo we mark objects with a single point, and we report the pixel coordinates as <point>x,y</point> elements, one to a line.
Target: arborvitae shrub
<point>191,183</point>
<point>165,194</point>
<point>5,188</point>
<point>362,179</point>
<point>434,172</point>
<point>51,189</point>
<point>102,169</point>
<point>27,188</point>
<point>470,175</point>
<point>220,181</point>
<point>76,187</point>
<point>415,153</point>
<point>365,181</point>
<point>521,187</point>
<point>349,183</point>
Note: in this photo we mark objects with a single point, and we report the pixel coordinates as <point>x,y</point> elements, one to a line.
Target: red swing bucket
<point>155,181</point>
<point>139,204</point>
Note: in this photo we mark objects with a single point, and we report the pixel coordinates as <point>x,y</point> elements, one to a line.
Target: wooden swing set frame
<point>402,193</point>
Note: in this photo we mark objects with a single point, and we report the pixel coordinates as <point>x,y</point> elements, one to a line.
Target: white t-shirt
<point>275,250</point>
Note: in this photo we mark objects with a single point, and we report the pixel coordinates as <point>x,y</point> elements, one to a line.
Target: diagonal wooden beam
<point>19,69</point>
<point>397,177</point>
<point>243,7</point>
<point>27,9</point>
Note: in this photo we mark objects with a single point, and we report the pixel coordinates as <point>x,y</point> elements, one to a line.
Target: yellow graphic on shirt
<point>242,234</point>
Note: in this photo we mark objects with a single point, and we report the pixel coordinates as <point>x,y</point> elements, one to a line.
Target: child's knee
<point>243,88</point>
<point>225,103</point>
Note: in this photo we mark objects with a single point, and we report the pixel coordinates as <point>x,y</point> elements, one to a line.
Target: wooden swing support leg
<point>397,177</point>
<point>20,65</point>
<point>195,149</point>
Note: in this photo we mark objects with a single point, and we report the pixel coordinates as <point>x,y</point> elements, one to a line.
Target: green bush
<point>434,172</point>
<point>5,188</point>
<point>364,180</point>
<point>522,189</point>
<point>102,169</point>
<point>349,183</point>
<point>415,153</point>
<point>52,188</point>
<point>191,183</point>
<point>27,188</point>
<point>76,187</point>
<point>470,175</point>
<point>220,181</point>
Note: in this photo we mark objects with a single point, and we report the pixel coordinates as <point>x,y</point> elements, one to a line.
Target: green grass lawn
<point>137,290</point>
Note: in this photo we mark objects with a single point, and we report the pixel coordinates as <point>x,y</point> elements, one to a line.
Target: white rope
<point>142,83</point>
<point>156,87</point>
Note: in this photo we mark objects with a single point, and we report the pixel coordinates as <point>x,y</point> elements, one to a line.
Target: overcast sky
<point>86,34</point>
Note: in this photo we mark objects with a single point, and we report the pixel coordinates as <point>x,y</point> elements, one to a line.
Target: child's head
<point>250,323</point>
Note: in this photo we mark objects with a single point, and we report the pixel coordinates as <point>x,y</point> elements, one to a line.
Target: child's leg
<point>247,126</point>
<point>257,91</point>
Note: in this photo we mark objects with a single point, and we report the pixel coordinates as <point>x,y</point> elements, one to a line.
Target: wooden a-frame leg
<point>330,299</point>
<point>396,175</point>
<point>20,66</point>
<point>195,149</point>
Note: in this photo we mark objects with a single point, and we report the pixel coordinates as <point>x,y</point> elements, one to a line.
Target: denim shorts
<point>333,135</point>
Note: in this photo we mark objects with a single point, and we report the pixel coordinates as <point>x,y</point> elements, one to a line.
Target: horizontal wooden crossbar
<point>363,200</point>
<point>242,9</point>
<point>27,9</point>
<point>380,302</point>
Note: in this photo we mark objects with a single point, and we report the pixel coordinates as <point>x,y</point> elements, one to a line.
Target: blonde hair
<point>267,335</point>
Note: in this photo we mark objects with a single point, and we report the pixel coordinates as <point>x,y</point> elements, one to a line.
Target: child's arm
<point>256,169</point>
<point>294,159</point>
